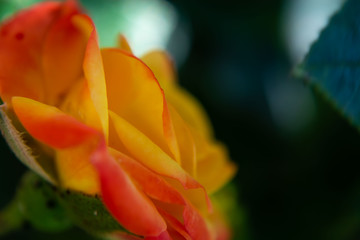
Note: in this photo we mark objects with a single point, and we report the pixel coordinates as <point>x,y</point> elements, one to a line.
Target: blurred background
<point>298,175</point>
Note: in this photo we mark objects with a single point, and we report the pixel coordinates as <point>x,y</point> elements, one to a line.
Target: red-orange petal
<point>152,184</point>
<point>127,204</point>
<point>175,225</point>
<point>49,125</point>
<point>163,236</point>
<point>62,53</point>
<point>21,42</point>
<point>157,188</point>
<point>195,224</point>
<point>74,142</point>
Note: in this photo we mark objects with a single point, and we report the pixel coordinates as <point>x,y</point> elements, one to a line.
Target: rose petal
<point>73,140</point>
<point>152,184</point>
<point>21,42</point>
<point>128,205</point>
<point>124,44</point>
<point>149,154</point>
<point>157,188</point>
<point>135,95</point>
<point>215,162</point>
<point>186,144</point>
<point>187,106</point>
<point>163,236</point>
<point>78,103</point>
<point>162,66</point>
<point>49,125</point>
<point>62,54</point>
<point>94,71</point>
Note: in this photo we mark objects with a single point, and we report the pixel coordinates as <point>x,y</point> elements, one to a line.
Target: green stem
<point>10,218</point>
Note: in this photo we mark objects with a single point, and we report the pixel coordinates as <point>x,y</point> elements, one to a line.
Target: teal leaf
<point>332,65</point>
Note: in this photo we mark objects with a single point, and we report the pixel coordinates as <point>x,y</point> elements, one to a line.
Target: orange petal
<point>63,54</point>
<point>135,95</point>
<point>127,204</point>
<point>94,71</point>
<point>21,43</point>
<point>49,125</point>
<point>124,44</point>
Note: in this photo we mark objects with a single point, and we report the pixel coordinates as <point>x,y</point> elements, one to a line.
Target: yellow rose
<point>115,125</point>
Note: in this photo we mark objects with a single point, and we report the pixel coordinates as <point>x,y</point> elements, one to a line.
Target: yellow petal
<point>186,143</point>
<point>135,95</point>
<point>76,171</point>
<point>215,169</point>
<point>124,44</point>
<point>185,104</point>
<point>78,103</point>
<point>149,154</point>
<point>162,66</point>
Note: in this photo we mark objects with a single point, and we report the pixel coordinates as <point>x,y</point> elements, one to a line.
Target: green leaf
<point>52,209</point>
<point>332,65</point>
<point>35,203</point>
<point>39,205</point>
<point>88,212</point>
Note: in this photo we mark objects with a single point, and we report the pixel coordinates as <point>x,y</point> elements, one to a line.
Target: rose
<point>115,125</point>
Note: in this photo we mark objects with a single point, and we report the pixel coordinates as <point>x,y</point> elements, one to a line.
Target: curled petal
<point>49,125</point>
<point>74,142</point>
<point>94,71</point>
<point>127,204</point>
<point>152,184</point>
<point>157,188</point>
